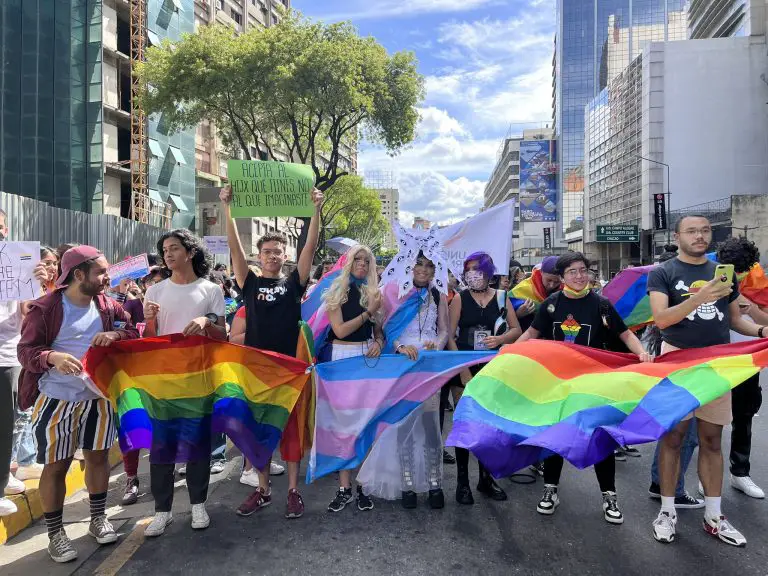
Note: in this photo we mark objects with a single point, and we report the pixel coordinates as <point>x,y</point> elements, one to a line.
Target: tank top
<point>474,318</point>
<point>352,309</point>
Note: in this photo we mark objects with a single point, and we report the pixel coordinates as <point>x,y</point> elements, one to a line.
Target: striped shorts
<point>61,427</point>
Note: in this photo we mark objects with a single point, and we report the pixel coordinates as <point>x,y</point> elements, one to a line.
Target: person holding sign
<point>69,414</point>
<point>479,315</point>
<point>273,312</point>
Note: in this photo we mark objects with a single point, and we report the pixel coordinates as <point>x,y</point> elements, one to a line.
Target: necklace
<point>481,294</point>
<point>426,315</point>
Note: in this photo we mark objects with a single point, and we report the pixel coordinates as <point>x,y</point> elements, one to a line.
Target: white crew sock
<point>712,507</point>
<point>668,505</point>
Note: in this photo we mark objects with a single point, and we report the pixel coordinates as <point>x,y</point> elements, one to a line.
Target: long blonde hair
<point>338,293</point>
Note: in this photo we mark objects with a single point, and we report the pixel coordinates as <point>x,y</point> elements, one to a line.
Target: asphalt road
<point>487,538</point>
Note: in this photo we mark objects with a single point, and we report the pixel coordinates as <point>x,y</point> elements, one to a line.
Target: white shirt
<point>182,303</point>
<point>10,333</point>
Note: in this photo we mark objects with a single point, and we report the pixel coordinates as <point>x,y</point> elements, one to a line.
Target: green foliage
<point>302,88</point>
<point>353,211</point>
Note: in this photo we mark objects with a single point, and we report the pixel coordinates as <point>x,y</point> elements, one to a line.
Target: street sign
<point>659,212</point>
<point>547,238</point>
<point>617,233</point>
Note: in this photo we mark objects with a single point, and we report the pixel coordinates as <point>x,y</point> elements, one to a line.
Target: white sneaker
<point>200,518</point>
<point>183,470</point>
<point>664,527</point>
<point>15,486</point>
<point>250,478</point>
<point>218,466</point>
<point>7,507</point>
<point>746,485</point>
<point>724,530</point>
<point>31,472</point>
<point>276,469</point>
<point>158,524</point>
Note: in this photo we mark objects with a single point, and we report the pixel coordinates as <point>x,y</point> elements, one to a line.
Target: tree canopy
<point>304,89</point>
<point>353,211</point>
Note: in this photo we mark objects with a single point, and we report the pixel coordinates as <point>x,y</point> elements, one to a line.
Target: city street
<point>488,538</point>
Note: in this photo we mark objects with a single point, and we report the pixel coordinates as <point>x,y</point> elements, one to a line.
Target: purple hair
<point>484,263</point>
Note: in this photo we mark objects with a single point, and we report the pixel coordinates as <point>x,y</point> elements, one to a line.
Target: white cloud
<point>437,198</point>
<point>437,121</point>
<point>395,8</point>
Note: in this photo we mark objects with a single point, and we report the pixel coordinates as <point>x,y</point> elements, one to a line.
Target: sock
<point>668,505</point>
<point>98,504</point>
<point>54,522</point>
<point>712,507</point>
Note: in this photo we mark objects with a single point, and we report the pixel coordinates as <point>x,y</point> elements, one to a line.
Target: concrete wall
<point>110,143</point>
<point>109,25</point>
<point>111,195</point>
<point>110,85</point>
<point>715,118</point>
<point>751,212</point>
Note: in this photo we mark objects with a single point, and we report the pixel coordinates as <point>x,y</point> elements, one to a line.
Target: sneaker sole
<point>277,474</point>
<point>201,526</point>
<point>747,493</point>
<point>654,495</point>
<point>615,521</point>
<point>155,535</point>
<point>293,516</point>
<point>689,506</point>
<point>246,514</point>
<point>713,532</point>
<point>364,508</point>
<point>63,559</point>
<point>111,539</point>
<point>664,540</point>
<point>256,485</point>
<point>336,510</point>
<point>547,511</point>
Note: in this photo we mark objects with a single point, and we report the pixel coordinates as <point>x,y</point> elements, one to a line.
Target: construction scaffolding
<point>140,201</point>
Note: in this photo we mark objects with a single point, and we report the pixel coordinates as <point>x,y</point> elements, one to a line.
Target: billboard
<point>538,181</point>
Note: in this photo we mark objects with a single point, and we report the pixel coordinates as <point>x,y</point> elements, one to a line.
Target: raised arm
<point>239,262</point>
<point>304,265</point>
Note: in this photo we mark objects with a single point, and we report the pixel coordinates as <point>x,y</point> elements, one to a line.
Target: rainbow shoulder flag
<point>628,292</point>
<point>172,392</point>
<point>532,288</point>
<point>541,397</point>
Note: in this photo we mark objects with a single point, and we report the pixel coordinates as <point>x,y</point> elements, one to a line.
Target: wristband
<point>760,331</point>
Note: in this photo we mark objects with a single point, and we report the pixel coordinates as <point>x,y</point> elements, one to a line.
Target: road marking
<point>124,551</point>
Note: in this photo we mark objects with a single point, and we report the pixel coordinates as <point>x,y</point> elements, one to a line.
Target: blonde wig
<point>338,293</point>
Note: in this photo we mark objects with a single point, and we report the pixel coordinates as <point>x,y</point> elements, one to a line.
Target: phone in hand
<point>724,272</point>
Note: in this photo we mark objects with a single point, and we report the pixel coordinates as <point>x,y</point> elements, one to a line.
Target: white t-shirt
<point>10,333</point>
<point>182,303</point>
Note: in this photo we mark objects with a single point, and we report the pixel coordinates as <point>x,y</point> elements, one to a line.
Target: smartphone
<point>724,272</point>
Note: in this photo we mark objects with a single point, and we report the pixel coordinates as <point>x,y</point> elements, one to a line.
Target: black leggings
<point>605,472</point>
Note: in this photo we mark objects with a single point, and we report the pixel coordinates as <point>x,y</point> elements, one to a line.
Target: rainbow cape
<point>531,288</point>
<point>542,397</point>
<point>171,393</point>
<point>628,292</point>
<point>358,398</point>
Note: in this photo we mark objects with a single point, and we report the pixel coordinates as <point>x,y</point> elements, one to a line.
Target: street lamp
<point>668,193</point>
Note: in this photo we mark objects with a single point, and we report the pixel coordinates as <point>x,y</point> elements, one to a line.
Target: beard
<point>91,289</point>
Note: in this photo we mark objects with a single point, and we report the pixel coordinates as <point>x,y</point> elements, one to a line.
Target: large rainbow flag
<point>172,392</point>
<point>358,398</point>
<point>628,292</point>
<point>542,397</point>
<point>532,288</point>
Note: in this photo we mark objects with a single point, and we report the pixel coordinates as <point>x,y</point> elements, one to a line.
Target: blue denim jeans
<point>690,442</point>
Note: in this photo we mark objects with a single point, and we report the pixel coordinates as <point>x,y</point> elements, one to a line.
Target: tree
<point>353,211</point>
<point>300,88</point>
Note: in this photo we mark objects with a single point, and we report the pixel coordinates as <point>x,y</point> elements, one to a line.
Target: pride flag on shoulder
<point>628,292</point>
<point>172,392</point>
<point>532,288</point>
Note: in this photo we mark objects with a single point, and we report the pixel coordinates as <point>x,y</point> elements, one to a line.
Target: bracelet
<point>760,331</point>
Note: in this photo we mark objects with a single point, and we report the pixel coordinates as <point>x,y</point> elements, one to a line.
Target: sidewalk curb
<point>30,505</point>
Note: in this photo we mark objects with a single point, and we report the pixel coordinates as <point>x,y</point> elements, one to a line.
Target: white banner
<point>489,231</point>
<point>17,265</point>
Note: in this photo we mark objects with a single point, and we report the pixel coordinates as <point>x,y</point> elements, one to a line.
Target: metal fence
<point>116,237</point>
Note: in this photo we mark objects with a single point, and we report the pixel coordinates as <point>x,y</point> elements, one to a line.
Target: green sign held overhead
<point>261,188</point>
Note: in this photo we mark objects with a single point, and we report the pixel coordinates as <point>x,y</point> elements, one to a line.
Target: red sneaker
<point>295,507</point>
<point>255,502</point>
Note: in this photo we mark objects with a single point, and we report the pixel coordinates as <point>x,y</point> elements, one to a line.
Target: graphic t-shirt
<point>182,303</point>
<point>709,324</point>
<point>273,312</point>
<point>578,321</point>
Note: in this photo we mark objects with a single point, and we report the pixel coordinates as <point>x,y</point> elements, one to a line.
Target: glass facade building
<point>596,41</point>
<point>51,101</point>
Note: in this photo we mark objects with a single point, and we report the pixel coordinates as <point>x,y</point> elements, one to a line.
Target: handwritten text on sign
<point>270,188</point>
<point>135,267</point>
<point>17,265</point>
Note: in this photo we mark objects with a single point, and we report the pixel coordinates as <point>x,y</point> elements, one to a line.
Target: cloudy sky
<point>488,66</point>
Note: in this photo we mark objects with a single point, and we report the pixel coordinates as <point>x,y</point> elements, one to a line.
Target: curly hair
<point>484,263</point>
<point>740,252</point>
<point>338,293</point>
<point>202,261</point>
<point>272,237</point>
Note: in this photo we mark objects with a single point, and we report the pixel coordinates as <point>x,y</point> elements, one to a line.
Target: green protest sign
<point>261,188</point>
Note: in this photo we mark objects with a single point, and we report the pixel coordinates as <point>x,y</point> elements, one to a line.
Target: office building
<point>420,223</point>
<point>596,40</point>
<point>724,18</point>
<point>384,184</point>
<point>654,110</point>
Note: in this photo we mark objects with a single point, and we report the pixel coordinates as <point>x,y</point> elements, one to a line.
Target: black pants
<point>605,472</point>
<point>8,378</point>
<point>445,392</point>
<point>161,477</point>
<point>745,402</point>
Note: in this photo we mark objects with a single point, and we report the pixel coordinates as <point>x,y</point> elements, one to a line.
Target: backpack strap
<point>501,301</point>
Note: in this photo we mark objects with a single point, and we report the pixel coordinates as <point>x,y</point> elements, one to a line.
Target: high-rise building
<point>723,18</point>
<point>596,40</point>
<point>384,184</point>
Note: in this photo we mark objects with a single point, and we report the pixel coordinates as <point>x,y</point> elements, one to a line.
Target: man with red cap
<point>56,333</point>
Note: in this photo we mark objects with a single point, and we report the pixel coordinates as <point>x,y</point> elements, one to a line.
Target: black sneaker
<point>410,500</point>
<point>343,497</point>
<point>632,452</point>
<point>620,455</point>
<point>549,501</point>
<point>436,499</point>
<point>364,502</point>
<point>448,458</point>
<point>464,495</point>
<point>688,501</point>
<point>654,491</point>
<point>611,510</point>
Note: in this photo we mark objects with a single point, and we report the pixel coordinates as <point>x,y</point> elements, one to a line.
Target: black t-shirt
<point>475,319</point>
<point>352,309</point>
<point>710,324</point>
<point>578,321</point>
<point>273,312</point>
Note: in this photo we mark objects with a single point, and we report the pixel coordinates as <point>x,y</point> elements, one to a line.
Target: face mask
<point>476,280</point>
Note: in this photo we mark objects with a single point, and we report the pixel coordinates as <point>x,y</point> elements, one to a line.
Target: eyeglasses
<point>697,231</point>
<point>576,273</point>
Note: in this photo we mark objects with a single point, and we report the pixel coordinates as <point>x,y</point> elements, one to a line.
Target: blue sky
<point>488,66</point>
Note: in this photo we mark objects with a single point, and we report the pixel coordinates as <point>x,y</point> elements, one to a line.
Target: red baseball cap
<point>73,258</point>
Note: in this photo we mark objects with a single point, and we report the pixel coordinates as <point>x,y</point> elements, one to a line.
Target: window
<point>154,149</point>
<point>179,203</point>
<point>236,16</point>
<point>154,39</point>
<point>177,155</point>
<point>220,4</point>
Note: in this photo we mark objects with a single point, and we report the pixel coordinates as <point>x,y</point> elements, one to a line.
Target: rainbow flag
<point>754,286</point>
<point>358,398</point>
<point>171,393</point>
<point>532,288</point>
<point>628,292</point>
<point>542,397</point>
